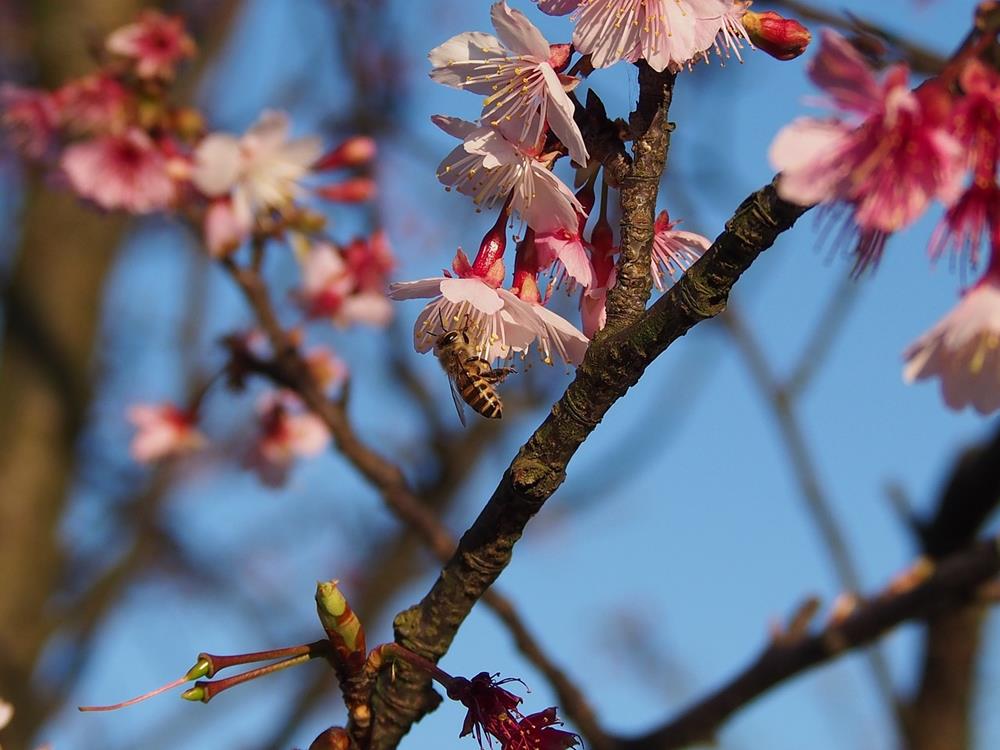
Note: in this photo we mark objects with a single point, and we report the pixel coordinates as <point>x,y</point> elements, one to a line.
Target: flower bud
<point>356,190</point>
<point>781,38</point>
<point>354,152</point>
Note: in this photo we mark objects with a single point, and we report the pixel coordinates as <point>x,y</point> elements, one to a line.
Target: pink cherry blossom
<point>330,290</point>
<point>29,118</point>
<point>963,350</point>
<point>524,93</point>
<point>498,322</point>
<point>673,252</point>
<point>93,104</point>
<point>287,432</point>
<point>370,261</point>
<point>261,170</point>
<point>223,230</point>
<point>887,168</point>
<point>593,312</point>
<point>569,250</point>
<point>490,168</point>
<point>668,34</point>
<point>162,430</point>
<point>126,171</point>
<point>156,43</point>
<point>329,370</point>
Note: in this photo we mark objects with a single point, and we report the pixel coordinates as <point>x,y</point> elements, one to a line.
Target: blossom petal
<point>454,126</point>
<point>473,291</point>
<point>518,33</point>
<point>420,289</point>
<point>560,117</point>
<point>557,7</point>
<point>457,59</point>
<point>217,164</point>
<point>840,70</point>
<point>802,152</point>
<point>549,205</point>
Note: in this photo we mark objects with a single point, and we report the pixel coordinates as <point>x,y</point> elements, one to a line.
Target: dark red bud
<point>781,38</point>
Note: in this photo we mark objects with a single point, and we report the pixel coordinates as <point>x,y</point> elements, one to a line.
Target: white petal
<point>419,289</point>
<point>217,164</point>
<point>459,57</point>
<point>454,126</point>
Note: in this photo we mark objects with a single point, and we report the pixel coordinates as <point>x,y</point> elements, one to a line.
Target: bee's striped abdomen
<point>478,393</point>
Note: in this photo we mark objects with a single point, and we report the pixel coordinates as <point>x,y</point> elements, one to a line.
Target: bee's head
<point>450,338</point>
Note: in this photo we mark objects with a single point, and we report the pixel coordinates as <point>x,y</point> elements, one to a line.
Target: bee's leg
<point>498,374</point>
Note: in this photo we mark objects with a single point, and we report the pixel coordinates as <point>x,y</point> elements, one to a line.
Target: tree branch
<point>610,368</point>
<point>953,583</point>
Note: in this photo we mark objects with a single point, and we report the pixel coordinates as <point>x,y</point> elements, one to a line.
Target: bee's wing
<point>457,398</point>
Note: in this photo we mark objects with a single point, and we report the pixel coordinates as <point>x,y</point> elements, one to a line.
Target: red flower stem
<point>204,691</point>
<point>218,663</point>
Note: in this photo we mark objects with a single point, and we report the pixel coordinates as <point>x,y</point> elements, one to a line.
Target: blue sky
<point>696,532</point>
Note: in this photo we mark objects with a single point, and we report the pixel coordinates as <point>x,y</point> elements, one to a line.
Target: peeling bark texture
<point>611,367</point>
<point>50,308</point>
<point>638,190</point>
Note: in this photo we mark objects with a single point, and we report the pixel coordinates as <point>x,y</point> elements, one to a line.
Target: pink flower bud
<point>354,152</point>
<point>355,190</point>
<point>781,38</point>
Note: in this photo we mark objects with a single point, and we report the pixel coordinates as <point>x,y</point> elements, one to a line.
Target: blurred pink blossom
<point>29,117</point>
<point>260,171</point>
<point>156,43</point>
<point>162,430</point>
<point>287,432</point>
<point>126,171</point>
<point>330,290</point>
<point>93,104</point>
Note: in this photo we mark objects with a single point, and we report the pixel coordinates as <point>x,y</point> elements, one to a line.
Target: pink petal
<point>454,126</point>
<point>801,152</point>
<point>841,71</point>
<point>560,117</point>
<point>550,205</point>
<point>421,289</point>
<point>557,7</point>
<point>475,292</point>
<point>458,58</point>
<point>518,33</point>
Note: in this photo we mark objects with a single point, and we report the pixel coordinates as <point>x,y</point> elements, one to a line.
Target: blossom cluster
<point>526,124</point>
<point>882,160</point>
<point>117,139</point>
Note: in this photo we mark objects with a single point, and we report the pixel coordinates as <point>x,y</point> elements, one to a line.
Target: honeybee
<point>472,379</point>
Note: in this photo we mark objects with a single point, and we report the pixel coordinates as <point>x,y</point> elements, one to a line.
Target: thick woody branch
<point>611,367</point>
<point>638,189</point>
<point>954,582</point>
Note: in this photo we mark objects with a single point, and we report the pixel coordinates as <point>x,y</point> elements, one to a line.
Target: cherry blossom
<point>156,43</point>
<point>260,170</point>
<point>569,250</point>
<point>370,261</point>
<point>517,74</point>
<point>96,103</point>
<point>29,117</point>
<point>162,430</point>
<point>330,290</point>
<point>887,168</point>
<point>223,229</point>
<point>963,350</point>
<point>287,432</point>
<point>668,34</point>
<point>497,321</point>
<point>673,252</point>
<point>126,171</point>
<point>491,169</point>
<point>329,370</point>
